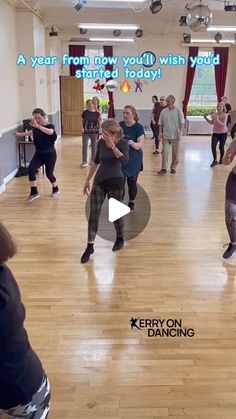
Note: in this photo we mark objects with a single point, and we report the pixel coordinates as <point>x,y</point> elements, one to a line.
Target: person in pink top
<point>220,130</point>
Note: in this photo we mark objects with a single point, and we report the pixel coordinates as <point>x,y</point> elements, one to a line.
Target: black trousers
<point>221,138</point>
<point>230,206</point>
<point>48,159</point>
<point>132,186</point>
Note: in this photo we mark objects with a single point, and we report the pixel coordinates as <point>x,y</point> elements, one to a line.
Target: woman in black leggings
<point>24,387</point>
<point>44,136</point>
<point>134,135</point>
<point>111,155</point>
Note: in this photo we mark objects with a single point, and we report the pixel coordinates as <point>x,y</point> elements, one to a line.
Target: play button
<point>116,210</point>
<point>134,223</point>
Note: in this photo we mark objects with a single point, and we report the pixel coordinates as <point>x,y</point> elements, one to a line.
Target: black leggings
<point>221,138</point>
<point>132,186</point>
<point>49,159</point>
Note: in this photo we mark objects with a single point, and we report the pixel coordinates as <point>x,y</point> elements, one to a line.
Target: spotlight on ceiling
<point>117,32</point>
<point>230,6</point>
<point>79,4</point>
<point>218,37</point>
<point>139,33</point>
<point>156,6</point>
<point>183,21</point>
<point>187,38</point>
<point>83,31</point>
<point>53,32</point>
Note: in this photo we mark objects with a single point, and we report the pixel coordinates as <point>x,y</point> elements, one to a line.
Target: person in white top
<point>171,122</point>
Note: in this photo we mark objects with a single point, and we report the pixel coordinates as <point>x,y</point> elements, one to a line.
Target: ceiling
<point>62,15</point>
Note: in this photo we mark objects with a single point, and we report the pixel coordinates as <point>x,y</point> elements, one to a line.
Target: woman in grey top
<point>111,155</point>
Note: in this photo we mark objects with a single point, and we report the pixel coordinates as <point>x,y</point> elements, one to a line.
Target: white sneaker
<point>33,197</point>
<point>84,165</point>
<point>54,194</point>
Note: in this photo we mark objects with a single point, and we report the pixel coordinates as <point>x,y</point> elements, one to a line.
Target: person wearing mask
<point>171,126</point>
<point>112,153</point>
<point>24,386</point>
<point>44,136</point>
<point>134,135</point>
<point>91,121</point>
<point>220,131</point>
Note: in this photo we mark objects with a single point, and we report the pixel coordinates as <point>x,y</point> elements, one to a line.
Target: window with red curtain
<point>108,52</point>
<point>221,71</point>
<point>76,51</point>
<point>193,52</point>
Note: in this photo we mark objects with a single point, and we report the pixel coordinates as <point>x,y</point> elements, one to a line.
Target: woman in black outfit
<point>44,136</point>
<point>111,155</point>
<point>24,387</point>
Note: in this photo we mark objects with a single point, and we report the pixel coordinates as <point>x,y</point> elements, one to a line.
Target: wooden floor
<point>78,315</point>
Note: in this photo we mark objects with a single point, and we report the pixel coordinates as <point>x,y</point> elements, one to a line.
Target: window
<point>204,88</point>
<point>89,91</point>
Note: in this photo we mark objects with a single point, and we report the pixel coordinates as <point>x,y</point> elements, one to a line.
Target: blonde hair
<point>113,127</point>
<point>7,245</point>
<point>224,107</point>
<point>134,112</point>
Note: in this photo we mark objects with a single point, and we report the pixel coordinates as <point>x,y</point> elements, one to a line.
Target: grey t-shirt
<point>109,174</point>
<point>233,145</point>
<point>171,119</point>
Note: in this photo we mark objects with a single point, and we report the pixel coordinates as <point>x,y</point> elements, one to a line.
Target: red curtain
<point>108,52</point>
<point>221,71</point>
<point>76,51</point>
<point>193,52</point>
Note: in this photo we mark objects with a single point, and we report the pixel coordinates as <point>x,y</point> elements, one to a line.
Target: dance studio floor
<point>78,316</point>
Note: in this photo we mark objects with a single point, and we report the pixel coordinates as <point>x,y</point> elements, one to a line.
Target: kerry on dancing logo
<point>172,328</point>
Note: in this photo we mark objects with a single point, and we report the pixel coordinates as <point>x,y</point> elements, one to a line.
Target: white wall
<point>172,81</point>
<point>53,90</point>
<point>9,107</point>
<point>40,72</point>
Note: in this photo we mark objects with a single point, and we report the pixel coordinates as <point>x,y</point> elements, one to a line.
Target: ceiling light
<point>187,38</point>
<point>117,32</point>
<point>53,32</point>
<point>139,33</point>
<point>222,28</point>
<point>111,39</point>
<point>111,26</point>
<point>218,37</point>
<point>156,6</point>
<point>79,4</point>
<point>209,41</point>
<point>83,31</point>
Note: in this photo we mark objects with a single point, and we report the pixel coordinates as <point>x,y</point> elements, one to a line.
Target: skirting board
<point>7,179</point>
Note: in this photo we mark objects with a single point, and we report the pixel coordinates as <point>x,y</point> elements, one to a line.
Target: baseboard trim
<point>7,179</point>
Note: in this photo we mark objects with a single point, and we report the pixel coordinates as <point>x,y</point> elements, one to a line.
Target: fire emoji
<point>125,86</point>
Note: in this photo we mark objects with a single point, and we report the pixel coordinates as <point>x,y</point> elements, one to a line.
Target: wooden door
<point>72,104</point>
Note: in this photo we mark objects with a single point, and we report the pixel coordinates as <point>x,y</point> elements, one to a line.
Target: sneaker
<point>230,251</point>
<point>214,163</point>
<point>54,194</point>
<point>86,255</point>
<point>156,152</point>
<point>162,172</point>
<point>131,205</point>
<point>33,197</point>
<point>119,243</point>
<point>84,165</point>
<point>173,171</point>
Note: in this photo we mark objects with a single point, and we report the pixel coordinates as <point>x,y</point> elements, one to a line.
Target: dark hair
<point>40,111</point>
<point>155,97</point>
<point>7,245</point>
